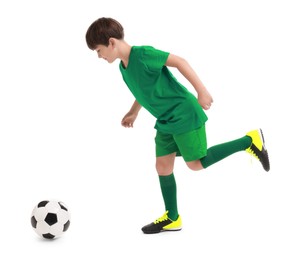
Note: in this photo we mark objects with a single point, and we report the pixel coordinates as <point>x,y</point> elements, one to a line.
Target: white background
<point>60,133</point>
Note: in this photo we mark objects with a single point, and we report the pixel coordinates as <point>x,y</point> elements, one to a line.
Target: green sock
<point>168,189</point>
<point>221,151</point>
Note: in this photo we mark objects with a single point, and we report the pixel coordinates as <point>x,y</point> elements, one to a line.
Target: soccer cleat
<point>258,149</point>
<point>163,223</point>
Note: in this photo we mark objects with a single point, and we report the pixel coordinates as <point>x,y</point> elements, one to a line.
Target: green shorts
<point>191,146</point>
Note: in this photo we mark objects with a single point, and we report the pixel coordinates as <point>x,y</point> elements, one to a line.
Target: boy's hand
<point>129,119</point>
<point>205,99</point>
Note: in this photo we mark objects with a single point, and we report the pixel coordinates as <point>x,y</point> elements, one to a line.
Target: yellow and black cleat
<point>258,149</point>
<point>163,223</point>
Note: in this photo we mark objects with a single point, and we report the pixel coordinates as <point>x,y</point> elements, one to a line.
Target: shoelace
<point>249,150</point>
<point>161,219</point>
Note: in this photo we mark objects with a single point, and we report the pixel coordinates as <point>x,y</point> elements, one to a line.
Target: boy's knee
<point>165,164</point>
<point>163,169</point>
<point>195,165</point>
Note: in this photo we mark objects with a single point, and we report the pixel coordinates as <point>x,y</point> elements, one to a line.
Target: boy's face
<point>106,52</point>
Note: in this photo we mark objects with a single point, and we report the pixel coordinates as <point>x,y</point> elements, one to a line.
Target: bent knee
<point>195,165</point>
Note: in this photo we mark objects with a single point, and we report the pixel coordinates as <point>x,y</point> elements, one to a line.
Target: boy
<point>180,117</point>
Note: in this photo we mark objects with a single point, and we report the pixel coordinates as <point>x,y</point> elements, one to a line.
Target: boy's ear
<point>112,41</point>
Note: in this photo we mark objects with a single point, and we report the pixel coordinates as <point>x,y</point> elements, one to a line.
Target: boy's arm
<point>135,107</point>
<point>204,97</point>
<point>129,119</point>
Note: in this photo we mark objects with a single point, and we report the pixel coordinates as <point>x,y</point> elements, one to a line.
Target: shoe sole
<point>163,230</point>
<point>264,150</point>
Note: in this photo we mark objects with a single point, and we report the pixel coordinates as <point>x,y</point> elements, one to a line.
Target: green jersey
<point>156,89</point>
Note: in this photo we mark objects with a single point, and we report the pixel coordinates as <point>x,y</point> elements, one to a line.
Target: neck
<point>124,52</point>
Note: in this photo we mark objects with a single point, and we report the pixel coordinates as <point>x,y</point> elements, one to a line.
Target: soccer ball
<point>50,219</point>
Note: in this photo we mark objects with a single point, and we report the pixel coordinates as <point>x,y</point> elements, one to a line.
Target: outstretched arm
<point>129,119</point>
<point>204,97</point>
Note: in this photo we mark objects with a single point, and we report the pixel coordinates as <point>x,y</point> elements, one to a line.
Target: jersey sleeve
<point>154,59</point>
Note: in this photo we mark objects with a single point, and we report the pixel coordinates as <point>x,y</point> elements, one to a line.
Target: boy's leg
<point>219,152</point>
<point>166,150</point>
<point>253,142</point>
<point>164,166</point>
<point>165,157</point>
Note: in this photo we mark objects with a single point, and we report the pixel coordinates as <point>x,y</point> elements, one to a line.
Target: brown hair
<point>101,30</point>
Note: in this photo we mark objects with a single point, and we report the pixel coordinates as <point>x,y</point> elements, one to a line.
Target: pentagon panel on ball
<point>50,218</point>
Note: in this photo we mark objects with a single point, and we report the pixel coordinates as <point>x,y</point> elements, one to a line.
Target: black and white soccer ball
<point>50,218</point>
